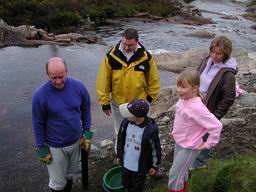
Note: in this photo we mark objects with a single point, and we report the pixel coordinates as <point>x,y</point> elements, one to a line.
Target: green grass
<point>233,175</point>
<point>252,3</point>
<point>237,174</point>
<point>156,185</point>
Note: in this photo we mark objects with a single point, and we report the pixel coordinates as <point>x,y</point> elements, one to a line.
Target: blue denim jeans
<point>203,155</point>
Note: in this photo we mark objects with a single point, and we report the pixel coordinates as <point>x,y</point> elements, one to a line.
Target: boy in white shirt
<point>138,145</point>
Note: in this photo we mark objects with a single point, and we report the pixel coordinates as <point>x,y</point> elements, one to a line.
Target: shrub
<point>234,175</point>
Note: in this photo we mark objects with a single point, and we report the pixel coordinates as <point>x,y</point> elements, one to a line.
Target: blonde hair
<point>225,46</point>
<point>188,77</point>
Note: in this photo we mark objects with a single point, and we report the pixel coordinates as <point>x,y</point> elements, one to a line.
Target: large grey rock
<point>178,61</point>
<point>29,35</point>
<point>29,32</point>
<point>106,143</point>
<point>233,122</point>
<point>202,34</point>
<point>251,9</point>
<point>166,99</point>
<point>246,99</point>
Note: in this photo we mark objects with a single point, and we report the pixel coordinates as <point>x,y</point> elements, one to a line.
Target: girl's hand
<point>170,135</point>
<point>152,171</point>
<point>201,147</point>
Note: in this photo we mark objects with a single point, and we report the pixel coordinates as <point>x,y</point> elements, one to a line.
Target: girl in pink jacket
<point>192,121</point>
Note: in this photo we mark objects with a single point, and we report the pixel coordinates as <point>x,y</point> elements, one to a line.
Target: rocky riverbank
<point>251,13</point>
<point>238,135</point>
<point>26,35</point>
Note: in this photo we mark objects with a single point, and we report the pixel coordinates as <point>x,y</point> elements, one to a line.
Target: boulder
<point>230,17</point>
<point>188,20</point>
<point>166,99</point>
<point>251,9</point>
<point>29,32</point>
<point>247,99</point>
<point>202,34</point>
<point>106,143</point>
<point>9,34</point>
<point>253,27</point>
<point>29,35</point>
<point>177,61</point>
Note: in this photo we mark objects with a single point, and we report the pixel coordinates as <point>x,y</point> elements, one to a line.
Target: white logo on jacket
<point>142,67</point>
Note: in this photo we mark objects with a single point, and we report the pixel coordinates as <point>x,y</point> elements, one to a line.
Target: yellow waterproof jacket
<point>123,81</point>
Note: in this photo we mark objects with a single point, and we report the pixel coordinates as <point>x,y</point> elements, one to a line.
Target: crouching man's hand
<point>85,140</point>
<point>44,155</point>
<point>152,171</point>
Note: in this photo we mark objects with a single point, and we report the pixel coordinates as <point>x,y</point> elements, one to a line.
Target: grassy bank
<point>252,3</point>
<point>232,175</point>
<point>237,174</point>
<point>55,15</point>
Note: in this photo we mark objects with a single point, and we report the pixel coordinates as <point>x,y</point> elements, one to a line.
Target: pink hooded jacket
<point>192,121</point>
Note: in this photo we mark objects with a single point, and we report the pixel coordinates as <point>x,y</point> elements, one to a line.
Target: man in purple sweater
<point>60,115</point>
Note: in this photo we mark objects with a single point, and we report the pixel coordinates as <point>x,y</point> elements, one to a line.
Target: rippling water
<point>174,36</point>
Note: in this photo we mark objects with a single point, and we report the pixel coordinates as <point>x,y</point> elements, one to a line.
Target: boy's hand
<point>44,155</point>
<point>118,161</point>
<point>152,171</point>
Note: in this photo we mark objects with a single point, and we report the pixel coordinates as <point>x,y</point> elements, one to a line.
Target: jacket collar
<point>143,124</point>
<point>139,56</point>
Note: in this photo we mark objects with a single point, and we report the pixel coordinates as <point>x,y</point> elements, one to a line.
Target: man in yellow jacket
<point>127,72</point>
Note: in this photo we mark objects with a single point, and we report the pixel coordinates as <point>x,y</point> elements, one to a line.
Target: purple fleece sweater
<point>57,116</point>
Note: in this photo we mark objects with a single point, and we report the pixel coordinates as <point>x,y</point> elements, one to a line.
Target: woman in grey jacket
<point>217,84</point>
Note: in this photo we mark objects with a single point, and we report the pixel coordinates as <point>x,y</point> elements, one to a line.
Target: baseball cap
<point>135,108</point>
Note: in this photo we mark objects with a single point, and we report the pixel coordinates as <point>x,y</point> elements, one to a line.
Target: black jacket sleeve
<point>120,139</point>
<point>156,149</point>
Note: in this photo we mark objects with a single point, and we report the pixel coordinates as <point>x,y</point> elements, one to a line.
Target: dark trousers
<point>133,181</point>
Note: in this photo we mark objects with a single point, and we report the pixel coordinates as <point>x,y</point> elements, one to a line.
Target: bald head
<point>55,63</point>
<point>56,70</point>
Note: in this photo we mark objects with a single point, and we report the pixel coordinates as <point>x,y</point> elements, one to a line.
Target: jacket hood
<point>230,63</point>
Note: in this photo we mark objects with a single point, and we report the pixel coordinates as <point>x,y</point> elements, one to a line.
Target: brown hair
<point>188,77</point>
<point>131,33</point>
<point>225,46</point>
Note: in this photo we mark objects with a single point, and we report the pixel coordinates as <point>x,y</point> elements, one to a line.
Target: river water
<point>159,36</point>
<point>22,70</point>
